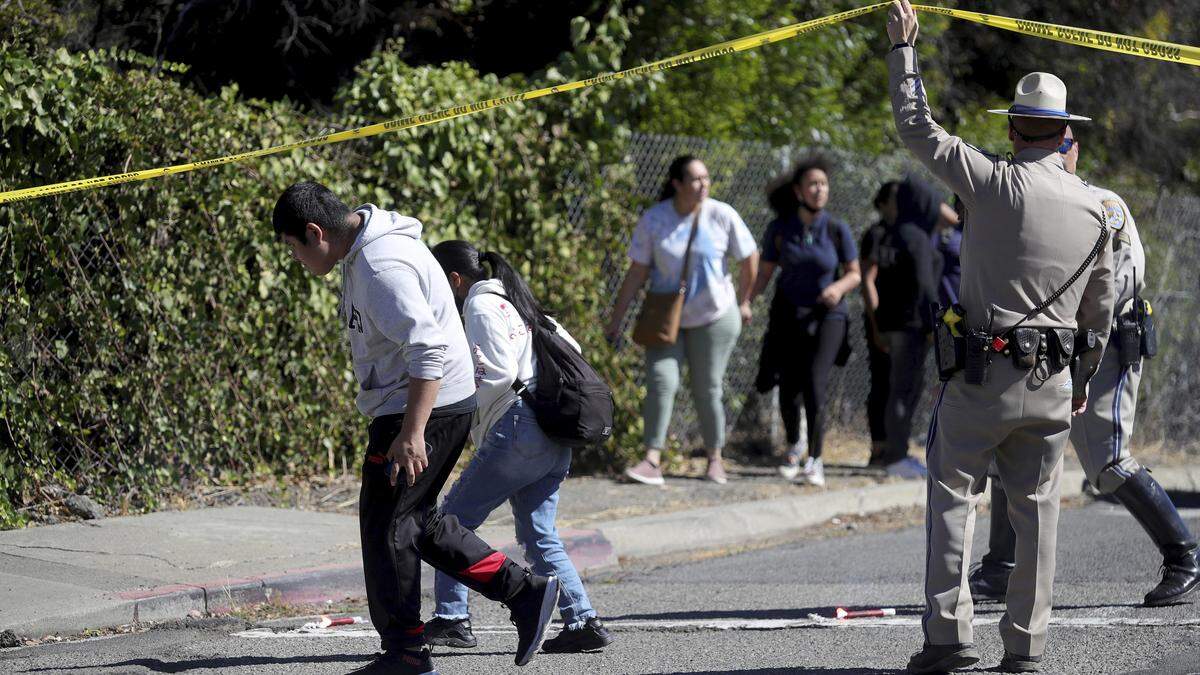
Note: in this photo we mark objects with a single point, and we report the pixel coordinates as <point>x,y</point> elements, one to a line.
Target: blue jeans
<point>519,464</point>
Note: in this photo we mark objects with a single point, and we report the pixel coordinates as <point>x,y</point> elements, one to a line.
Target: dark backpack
<point>572,404</point>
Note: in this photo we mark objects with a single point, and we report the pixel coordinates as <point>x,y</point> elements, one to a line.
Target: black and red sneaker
<point>530,611</point>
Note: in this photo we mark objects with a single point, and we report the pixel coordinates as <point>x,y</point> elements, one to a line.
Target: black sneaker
<point>400,662</point>
<point>530,611</point>
<point>589,637</point>
<point>456,633</point>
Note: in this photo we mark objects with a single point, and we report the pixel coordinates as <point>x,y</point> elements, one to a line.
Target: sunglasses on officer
<point>1066,146</point>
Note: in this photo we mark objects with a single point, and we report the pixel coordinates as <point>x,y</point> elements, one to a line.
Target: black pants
<point>909,351</point>
<point>804,376</point>
<point>401,526</point>
<point>880,366</point>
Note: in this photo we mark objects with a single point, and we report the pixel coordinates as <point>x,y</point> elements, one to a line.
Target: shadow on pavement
<point>776,614</point>
<point>794,671</point>
<point>160,666</point>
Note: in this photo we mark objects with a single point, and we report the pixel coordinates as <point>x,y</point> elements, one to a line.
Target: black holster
<point>949,350</point>
<point>1084,342</point>
<point>1135,334</point>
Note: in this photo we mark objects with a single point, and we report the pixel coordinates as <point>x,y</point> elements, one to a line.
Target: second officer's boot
<point>1152,508</point>
<point>989,578</point>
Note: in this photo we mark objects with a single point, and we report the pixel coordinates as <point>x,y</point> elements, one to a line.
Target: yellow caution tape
<point>1083,37</point>
<point>738,45</point>
<point>1096,39</point>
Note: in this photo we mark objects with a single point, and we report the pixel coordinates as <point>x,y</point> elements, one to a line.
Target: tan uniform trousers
<point>1101,434</point>
<point>1021,420</point>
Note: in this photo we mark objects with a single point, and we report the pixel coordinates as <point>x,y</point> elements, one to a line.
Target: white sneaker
<point>908,468</point>
<point>791,468</point>
<point>813,473</point>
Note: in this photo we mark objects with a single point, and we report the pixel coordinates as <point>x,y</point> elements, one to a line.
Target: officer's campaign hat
<point>1041,95</point>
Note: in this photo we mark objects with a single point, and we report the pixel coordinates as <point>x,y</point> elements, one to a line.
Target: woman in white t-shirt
<point>713,311</point>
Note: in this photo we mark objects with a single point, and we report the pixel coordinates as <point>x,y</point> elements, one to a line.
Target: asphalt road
<point>747,613</point>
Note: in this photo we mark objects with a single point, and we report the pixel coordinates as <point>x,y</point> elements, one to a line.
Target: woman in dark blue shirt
<point>818,264</point>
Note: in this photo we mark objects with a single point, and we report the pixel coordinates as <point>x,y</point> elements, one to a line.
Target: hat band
<point>1018,109</point>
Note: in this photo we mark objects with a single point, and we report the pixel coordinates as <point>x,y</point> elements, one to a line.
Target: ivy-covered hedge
<point>155,336</point>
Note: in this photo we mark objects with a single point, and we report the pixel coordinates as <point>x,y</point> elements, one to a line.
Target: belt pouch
<point>1025,347</point>
<point>1060,348</point>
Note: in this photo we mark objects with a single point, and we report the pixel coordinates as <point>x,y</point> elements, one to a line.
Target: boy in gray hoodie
<point>416,383</point>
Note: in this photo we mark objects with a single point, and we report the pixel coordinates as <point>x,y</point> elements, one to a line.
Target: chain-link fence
<point>105,304</point>
<point>741,172</point>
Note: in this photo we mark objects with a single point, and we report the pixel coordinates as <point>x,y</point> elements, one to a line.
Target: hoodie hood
<point>379,223</point>
<point>917,204</point>
<point>485,286</point>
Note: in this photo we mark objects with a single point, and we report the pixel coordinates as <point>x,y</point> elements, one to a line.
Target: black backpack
<point>572,404</point>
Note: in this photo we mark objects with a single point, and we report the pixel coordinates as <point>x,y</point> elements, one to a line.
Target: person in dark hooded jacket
<point>909,271</point>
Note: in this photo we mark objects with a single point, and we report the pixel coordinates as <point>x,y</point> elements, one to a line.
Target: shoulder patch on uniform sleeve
<point>1114,213</point>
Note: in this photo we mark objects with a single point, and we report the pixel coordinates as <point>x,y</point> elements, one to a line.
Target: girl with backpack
<point>515,460</point>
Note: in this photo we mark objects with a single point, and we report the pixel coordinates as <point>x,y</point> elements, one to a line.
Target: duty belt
<point>1027,346</point>
<point>971,351</point>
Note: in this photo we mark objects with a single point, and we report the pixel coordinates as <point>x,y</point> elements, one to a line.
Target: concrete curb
<point>591,550</point>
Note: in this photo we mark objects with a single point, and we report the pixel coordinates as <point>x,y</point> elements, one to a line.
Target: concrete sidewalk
<point>95,574</point>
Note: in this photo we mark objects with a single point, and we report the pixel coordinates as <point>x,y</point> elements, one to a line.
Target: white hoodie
<point>400,315</point>
<point>502,348</point>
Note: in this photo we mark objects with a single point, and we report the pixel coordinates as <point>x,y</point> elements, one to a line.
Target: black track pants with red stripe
<point>401,526</point>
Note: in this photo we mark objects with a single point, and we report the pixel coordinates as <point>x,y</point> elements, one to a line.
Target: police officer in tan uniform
<point>1101,435</point>
<point>1035,269</point>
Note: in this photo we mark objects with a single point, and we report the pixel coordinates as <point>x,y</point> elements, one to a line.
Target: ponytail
<point>461,257</point>
<point>517,290</point>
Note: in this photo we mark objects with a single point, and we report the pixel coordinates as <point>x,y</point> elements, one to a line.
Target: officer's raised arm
<point>961,166</point>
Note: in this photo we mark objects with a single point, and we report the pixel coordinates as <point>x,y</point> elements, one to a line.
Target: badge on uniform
<point>1114,213</point>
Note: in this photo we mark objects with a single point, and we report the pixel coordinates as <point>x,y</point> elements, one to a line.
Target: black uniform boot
<point>1152,508</point>
<point>989,578</point>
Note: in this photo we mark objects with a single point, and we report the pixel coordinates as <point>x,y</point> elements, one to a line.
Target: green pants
<point>707,350</point>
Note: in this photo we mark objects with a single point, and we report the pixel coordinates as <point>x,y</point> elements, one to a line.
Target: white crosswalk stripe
<point>813,621</point>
